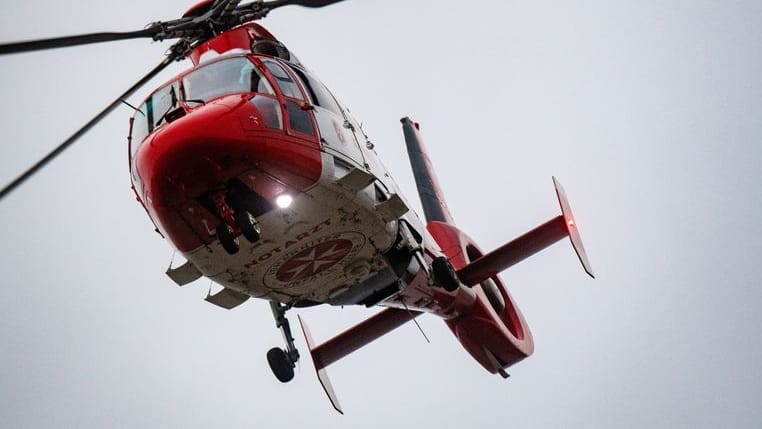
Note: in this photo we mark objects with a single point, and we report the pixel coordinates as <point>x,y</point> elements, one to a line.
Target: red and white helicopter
<point>251,168</point>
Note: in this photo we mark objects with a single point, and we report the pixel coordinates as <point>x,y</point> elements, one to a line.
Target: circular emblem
<point>314,260</point>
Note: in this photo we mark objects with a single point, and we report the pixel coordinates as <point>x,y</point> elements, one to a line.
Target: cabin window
<point>230,76</point>
<point>299,119</point>
<point>287,85</point>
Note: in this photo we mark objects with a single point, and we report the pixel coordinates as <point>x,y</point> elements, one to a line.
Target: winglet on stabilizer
<point>322,374</point>
<point>571,227</point>
<point>350,341</point>
<point>528,244</point>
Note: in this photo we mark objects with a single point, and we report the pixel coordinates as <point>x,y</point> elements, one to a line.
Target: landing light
<point>284,200</point>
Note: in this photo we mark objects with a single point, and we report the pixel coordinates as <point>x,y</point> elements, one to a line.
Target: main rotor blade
<point>305,3</point>
<point>68,142</point>
<point>82,39</point>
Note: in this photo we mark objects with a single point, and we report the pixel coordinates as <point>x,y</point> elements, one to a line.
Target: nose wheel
<point>227,239</point>
<point>234,214</point>
<point>283,361</point>
<point>248,225</point>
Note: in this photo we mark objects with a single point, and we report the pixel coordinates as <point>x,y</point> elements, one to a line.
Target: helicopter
<point>251,168</point>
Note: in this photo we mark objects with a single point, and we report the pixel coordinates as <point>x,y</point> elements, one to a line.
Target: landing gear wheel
<point>228,241</point>
<point>248,225</point>
<point>444,274</point>
<point>283,361</point>
<point>280,364</point>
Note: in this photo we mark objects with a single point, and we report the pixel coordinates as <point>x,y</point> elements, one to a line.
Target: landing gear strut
<point>282,362</point>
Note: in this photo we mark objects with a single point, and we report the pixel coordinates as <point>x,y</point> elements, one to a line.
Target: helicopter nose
<point>212,145</point>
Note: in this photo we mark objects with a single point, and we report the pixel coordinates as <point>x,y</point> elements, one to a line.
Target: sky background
<point>649,112</point>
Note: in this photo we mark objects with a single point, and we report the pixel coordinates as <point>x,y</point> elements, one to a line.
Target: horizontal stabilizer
<point>528,244</point>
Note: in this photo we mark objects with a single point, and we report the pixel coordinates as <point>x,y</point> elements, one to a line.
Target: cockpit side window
<point>287,85</point>
<point>299,117</point>
<point>149,116</point>
<point>139,130</point>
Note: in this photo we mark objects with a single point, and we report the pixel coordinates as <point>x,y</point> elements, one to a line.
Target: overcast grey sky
<point>649,112</point>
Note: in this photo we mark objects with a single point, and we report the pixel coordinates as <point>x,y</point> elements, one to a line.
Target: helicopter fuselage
<point>251,168</point>
<point>256,133</point>
<point>277,144</point>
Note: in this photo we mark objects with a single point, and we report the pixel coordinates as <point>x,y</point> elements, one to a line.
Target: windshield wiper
<point>171,107</point>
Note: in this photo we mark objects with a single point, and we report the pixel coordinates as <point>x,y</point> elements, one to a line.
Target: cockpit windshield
<point>231,76</point>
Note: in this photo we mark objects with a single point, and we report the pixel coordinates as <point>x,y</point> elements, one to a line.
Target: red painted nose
<point>216,143</point>
<point>209,150</point>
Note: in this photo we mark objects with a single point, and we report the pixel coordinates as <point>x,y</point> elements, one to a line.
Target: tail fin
<point>432,199</point>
